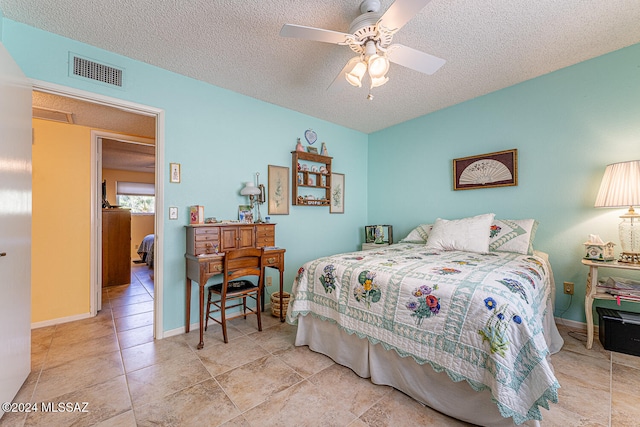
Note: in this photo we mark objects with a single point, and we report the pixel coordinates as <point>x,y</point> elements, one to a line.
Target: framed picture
<point>336,204</point>
<point>245,214</point>
<point>278,190</point>
<point>499,169</point>
<point>313,150</point>
<point>175,172</point>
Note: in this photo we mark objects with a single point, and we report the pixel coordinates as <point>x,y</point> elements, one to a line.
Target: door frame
<point>96,191</point>
<point>96,147</point>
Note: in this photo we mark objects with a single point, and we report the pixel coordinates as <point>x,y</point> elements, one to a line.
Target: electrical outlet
<point>568,288</point>
<point>269,281</point>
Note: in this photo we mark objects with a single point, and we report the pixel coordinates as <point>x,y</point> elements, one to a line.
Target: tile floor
<point>261,379</point>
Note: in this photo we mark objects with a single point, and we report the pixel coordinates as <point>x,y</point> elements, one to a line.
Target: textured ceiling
<point>236,45</point>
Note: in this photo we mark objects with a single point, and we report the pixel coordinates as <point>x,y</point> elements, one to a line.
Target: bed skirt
<point>421,382</point>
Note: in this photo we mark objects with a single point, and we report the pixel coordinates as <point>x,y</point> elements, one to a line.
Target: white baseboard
<point>576,325</point>
<point>60,320</point>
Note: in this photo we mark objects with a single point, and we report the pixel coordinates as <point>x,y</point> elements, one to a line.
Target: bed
<point>466,332</point>
<point>146,248</point>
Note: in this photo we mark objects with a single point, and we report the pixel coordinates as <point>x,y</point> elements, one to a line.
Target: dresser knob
<point>218,267</point>
<point>271,260</point>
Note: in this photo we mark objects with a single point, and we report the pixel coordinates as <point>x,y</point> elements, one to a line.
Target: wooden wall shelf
<point>318,183</point>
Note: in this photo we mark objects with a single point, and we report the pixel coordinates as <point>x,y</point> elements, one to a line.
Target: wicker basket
<point>275,302</point>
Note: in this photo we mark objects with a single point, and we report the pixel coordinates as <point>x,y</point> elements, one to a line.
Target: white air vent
<point>92,70</point>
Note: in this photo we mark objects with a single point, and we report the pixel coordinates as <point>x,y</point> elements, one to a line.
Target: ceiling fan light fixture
<point>378,66</point>
<point>358,68</point>
<point>378,81</point>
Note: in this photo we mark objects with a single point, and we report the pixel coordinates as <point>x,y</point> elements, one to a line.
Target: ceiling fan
<point>370,37</point>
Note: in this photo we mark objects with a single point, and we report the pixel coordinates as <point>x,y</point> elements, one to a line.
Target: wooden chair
<point>237,263</point>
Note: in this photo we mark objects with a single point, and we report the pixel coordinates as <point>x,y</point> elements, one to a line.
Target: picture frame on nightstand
<point>378,234</point>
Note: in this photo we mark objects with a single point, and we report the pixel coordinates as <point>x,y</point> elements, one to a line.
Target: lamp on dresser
<point>620,188</point>
<point>255,193</point>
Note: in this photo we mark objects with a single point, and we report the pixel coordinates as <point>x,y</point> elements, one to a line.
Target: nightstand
<point>373,246</point>
<point>591,294</point>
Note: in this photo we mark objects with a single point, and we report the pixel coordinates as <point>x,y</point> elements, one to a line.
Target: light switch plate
<point>173,212</point>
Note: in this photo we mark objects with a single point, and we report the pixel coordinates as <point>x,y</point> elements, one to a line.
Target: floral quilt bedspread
<point>478,317</point>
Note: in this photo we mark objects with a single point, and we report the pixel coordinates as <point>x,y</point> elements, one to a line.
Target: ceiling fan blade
<point>340,82</point>
<point>401,12</point>
<point>414,59</point>
<point>310,33</point>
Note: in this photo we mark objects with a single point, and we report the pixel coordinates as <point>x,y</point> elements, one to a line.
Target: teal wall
<point>221,139</point>
<point>567,126</point>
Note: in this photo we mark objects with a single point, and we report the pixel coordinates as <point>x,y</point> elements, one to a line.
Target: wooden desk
<point>202,268</point>
<point>591,294</point>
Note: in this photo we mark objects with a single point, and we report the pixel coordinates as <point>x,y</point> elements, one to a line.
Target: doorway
<point>57,101</point>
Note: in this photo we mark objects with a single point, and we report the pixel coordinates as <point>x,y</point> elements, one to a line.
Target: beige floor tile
<point>626,359</point>
<point>276,338</point>
<point>134,321</point>
<point>220,358</point>
<point>203,404</point>
<point>125,290</point>
<point>582,398</point>
<point>341,384</point>
<point>82,330</point>
<point>399,410</point>
<point>300,405</point>
<point>557,416</point>
<point>625,409</point>
<point>13,419</point>
<point>128,310</point>
<point>626,380</point>
<point>148,354</point>
<point>77,374</point>
<point>134,299</point>
<point>238,421</point>
<point>304,361</point>
<point>156,381</point>
<point>126,419</point>
<point>90,405</point>
<point>212,336</point>
<point>576,339</point>
<point>62,353</point>
<point>136,336</point>
<point>250,324</point>
<point>244,388</point>
<point>592,372</point>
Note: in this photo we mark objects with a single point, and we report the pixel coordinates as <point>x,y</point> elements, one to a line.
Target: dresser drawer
<point>206,247</point>
<point>202,234</point>
<point>273,259</point>
<point>215,266</point>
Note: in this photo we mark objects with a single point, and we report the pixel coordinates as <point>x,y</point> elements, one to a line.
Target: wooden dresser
<point>215,238</point>
<point>116,247</point>
<point>206,245</point>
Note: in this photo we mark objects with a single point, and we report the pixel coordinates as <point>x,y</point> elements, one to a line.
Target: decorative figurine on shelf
<point>299,146</point>
<point>323,150</point>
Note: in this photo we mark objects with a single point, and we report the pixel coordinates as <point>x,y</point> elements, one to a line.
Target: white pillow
<point>509,235</point>
<point>467,234</point>
<point>420,234</point>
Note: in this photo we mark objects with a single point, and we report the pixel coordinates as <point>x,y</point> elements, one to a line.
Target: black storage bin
<point>619,330</point>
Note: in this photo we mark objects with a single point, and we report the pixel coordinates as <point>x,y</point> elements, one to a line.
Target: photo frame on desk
<point>336,201</point>
<point>278,202</point>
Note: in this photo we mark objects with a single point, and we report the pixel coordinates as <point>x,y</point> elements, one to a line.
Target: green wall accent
<point>567,126</point>
<point>221,139</point>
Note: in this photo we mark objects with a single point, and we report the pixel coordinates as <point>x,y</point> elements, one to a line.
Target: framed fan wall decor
<point>499,169</point>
